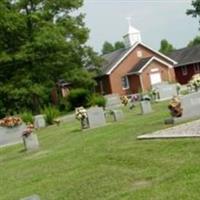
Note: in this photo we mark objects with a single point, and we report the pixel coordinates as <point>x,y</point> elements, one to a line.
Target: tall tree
<point>195,12</point>
<point>109,47</point>
<point>40,42</point>
<point>166,47</point>
<point>194,42</point>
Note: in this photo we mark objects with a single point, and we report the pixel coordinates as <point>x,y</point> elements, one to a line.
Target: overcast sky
<point>156,19</point>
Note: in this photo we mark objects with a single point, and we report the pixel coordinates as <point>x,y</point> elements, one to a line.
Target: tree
<point>195,12</point>
<point>119,45</point>
<point>194,42</point>
<point>41,42</point>
<point>109,47</point>
<point>166,47</point>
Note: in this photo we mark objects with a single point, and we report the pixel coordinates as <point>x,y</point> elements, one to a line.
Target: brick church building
<point>135,68</point>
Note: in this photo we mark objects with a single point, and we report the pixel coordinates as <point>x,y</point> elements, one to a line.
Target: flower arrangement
<point>81,113</point>
<point>10,122</point>
<point>124,100</point>
<point>29,129</point>
<point>175,107</point>
<point>195,81</point>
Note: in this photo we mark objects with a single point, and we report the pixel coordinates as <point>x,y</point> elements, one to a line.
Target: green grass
<point>106,163</point>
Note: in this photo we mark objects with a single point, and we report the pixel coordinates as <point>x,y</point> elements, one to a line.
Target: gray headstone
<point>145,107</point>
<point>113,101</point>
<point>33,197</point>
<point>191,108</point>
<point>96,117</point>
<point>11,135</point>
<point>31,142</point>
<point>39,121</point>
<point>166,91</point>
<point>118,115</point>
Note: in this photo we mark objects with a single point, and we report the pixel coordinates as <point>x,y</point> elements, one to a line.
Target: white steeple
<point>132,36</point>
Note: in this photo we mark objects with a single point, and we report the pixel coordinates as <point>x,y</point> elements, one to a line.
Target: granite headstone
<point>96,117</point>
<point>166,91</point>
<point>11,135</point>
<point>31,142</point>
<point>191,108</point>
<point>117,114</point>
<point>39,121</point>
<point>113,101</point>
<point>145,107</point>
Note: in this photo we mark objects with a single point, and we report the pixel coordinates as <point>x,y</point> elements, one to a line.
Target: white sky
<point>156,19</point>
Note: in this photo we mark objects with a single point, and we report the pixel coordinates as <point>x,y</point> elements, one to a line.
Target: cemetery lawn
<point>106,163</point>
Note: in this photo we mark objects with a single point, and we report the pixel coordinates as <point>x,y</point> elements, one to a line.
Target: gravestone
<point>96,117</point>
<point>117,115</point>
<point>145,107</point>
<point>12,135</point>
<point>191,107</point>
<point>39,121</point>
<point>166,90</point>
<point>33,197</point>
<point>31,142</point>
<point>113,101</point>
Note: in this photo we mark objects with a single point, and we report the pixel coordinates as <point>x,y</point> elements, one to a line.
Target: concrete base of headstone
<point>39,121</point>
<point>145,107</point>
<point>31,142</point>
<point>186,130</point>
<point>33,197</point>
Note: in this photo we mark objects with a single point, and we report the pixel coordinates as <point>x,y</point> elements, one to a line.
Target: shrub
<point>78,97</point>
<point>50,114</point>
<point>98,100</point>
<point>27,117</point>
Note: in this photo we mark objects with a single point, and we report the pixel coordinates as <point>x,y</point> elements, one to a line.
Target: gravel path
<point>190,129</point>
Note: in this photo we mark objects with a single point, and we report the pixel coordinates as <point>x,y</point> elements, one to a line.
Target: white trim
<point>131,49</point>
<point>157,59</point>
<point>173,61</point>
<point>127,82</point>
<point>119,61</point>
<point>141,82</point>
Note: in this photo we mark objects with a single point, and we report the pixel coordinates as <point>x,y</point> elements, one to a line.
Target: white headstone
<point>96,117</point>
<point>31,142</point>
<point>39,121</point>
<point>113,101</point>
<point>166,91</point>
<point>118,115</point>
<point>145,107</point>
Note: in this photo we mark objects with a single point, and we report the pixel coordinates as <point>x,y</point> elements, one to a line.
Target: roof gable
<point>112,60</point>
<point>145,62</point>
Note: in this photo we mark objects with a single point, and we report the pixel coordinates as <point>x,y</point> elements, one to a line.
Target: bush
<point>98,100</point>
<point>50,114</point>
<point>27,117</point>
<point>78,97</point>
